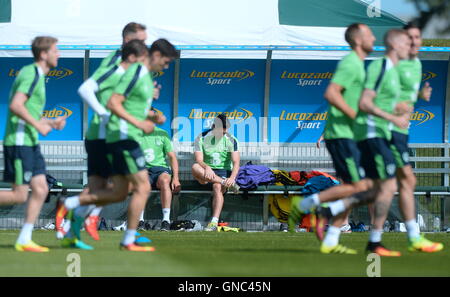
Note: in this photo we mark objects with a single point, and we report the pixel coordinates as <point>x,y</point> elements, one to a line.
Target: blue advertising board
<point>427,121</point>
<point>62,99</point>
<point>164,104</point>
<point>298,109</point>
<point>209,87</point>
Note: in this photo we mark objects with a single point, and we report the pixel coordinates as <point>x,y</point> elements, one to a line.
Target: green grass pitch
<point>256,254</point>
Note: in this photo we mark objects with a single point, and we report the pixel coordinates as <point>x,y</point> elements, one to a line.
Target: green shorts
<point>377,158</point>
<point>125,157</point>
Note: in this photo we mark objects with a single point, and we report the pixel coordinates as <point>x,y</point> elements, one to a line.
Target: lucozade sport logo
<point>57,73</point>
<point>57,112</point>
<point>305,120</point>
<point>307,78</point>
<point>157,74</point>
<point>232,115</point>
<point>222,77</point>
<point>421,116</point>
<point>428,75</point>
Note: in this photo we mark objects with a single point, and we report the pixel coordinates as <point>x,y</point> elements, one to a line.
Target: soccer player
<point>24,164</point>
<point>410,71</point>
<point>96,92</point>
<point>372,130</point>
<point>130,31</point>
<point>343,94</point>
<point>216,161</point>
<point>156,146</point>
<point>129,105</point>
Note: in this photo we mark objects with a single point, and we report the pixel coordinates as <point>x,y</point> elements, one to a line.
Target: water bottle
<point>437,224</point>
<point>387,226</point>
<point>397,226</point>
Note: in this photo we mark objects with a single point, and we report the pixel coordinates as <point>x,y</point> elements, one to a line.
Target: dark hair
<point>41,44</point>
<point>390,35</point>
<point>166,48</point>
<point>222,118</point>
<point>132,28</point>
<point>133,47</point>
<point>350,33</point>
<point>411,25</point>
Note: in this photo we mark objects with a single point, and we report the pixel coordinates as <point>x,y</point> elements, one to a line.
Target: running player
<point>156,146</point>
<point>410,71</point>
<point>372,130</point>
<point>217,162</point>
<point>343,94</point>
<point>129,104</point>
<point>130,31</point>
<point>96,92</point>
<point>24,164</point>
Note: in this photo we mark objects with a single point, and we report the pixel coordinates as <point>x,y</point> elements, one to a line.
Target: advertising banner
<point>62,83</point>
<point>298,109</point>
<point>164,104</point>
<point>214,86</point>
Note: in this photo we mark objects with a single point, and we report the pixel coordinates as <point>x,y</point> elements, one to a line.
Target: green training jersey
<point>136,86</point>
<point>114,58</point>
<point>105,79</point>
<point>350,75</point>
<point>410,72</point>
<point>216,152</point>
<point>383,78</point>
<point>30,81</point>
<point>156,146</point>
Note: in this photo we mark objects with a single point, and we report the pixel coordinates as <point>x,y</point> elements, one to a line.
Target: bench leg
<point>265,213</point>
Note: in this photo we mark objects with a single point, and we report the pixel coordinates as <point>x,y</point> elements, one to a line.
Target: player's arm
<point>321,138</point>
<point>87,92</point>
<point>115,105</point>
<point>156,117</point>
<point>236,159</point>
<point>175,184</point>
<point>17,107</point>
<point>367,105</point>
<point>333,95</point>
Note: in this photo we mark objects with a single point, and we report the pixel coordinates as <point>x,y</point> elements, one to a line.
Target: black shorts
<point>223,173</point>
<point>155,172</point>
<point>125,157</point>
<point>97,161</point>
<point>399,147</point>
<point>22,163</point>
<point>346,159</point>
<point>377,159</point>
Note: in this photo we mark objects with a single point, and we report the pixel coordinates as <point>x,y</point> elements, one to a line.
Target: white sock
<point>375,235</point>
<point>72,202</point>
<point>129,236</point>
<point>332,236</point>
<point>310,201</point>
<point>96,211</point>
<point>25,233</point>
<point>166,214</point>
<point>214,220</point>
<point>141,218</point>
<point>412,228</point>
<point>337,207</point>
